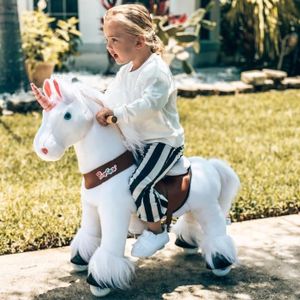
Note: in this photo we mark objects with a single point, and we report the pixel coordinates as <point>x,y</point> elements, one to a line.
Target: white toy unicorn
<point>108,209</point>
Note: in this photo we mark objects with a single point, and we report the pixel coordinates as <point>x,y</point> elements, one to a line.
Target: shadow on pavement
<point>181,277</point>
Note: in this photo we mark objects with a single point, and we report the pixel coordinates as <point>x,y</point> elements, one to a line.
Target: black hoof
<point>78,260</point>
<point>91,281</point>
<point>183,244</point>
<point>219,262</point>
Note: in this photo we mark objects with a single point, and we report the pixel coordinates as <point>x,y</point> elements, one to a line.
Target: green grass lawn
<point>258,134</point>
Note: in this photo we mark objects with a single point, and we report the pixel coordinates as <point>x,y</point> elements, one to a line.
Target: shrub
<point>41,43</point>
<point>254,30</point>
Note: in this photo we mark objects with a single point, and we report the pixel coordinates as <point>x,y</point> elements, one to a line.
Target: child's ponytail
<point>155,43</point>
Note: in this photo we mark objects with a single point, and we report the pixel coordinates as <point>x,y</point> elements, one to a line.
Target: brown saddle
<point>174,188</point>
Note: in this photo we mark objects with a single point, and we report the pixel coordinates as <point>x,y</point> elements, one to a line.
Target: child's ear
<point>140,41</point>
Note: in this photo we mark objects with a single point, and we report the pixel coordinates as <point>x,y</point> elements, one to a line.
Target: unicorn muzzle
<point>48,149</point>
<point>44,150</point>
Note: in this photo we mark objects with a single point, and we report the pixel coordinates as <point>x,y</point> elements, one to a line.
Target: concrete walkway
<point>269,252</point>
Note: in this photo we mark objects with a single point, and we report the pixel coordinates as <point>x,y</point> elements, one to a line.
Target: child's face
<point>121,45</point>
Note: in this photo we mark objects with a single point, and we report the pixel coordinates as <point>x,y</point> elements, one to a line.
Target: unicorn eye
<point>67,116</point>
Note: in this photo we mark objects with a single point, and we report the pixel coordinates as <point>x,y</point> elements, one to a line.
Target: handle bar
<point>111,119</point>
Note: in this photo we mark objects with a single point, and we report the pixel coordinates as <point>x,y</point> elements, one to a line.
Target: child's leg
<point>158,159</point>
<point>155,162</point>
<point>155,227</point>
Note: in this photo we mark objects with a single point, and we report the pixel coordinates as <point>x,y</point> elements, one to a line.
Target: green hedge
<point>258,134</point>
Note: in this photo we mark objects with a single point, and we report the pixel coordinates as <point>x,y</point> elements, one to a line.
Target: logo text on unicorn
<point>107,172</point>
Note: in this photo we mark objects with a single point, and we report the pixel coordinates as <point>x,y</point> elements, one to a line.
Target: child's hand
<point>102,115</point>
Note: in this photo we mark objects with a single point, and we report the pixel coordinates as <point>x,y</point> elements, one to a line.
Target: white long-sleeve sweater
<point>145,100</point>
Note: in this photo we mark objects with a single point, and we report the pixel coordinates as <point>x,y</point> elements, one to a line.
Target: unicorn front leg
<point>87,239</point>
<point>108,267</point>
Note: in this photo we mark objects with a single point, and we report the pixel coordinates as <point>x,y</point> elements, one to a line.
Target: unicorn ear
<point>57,88</point>
<point>64,90</point>
<point>51,87</point>
<point>47,88</point>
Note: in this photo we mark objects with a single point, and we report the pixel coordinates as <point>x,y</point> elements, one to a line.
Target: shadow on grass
<point>181,277</point>
<point>16,137</point>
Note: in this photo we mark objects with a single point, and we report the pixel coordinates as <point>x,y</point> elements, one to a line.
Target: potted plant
<point>179,34</point>
<point>44,47</point>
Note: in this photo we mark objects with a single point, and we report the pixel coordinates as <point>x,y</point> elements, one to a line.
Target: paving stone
<point>206,89</point>
<point>275,75</point>
<point>224,88</point>
<point>6,112</point>
<point>292,82</point>
<point>23,102</point>
<point>242,87</point>
<point>254,77</point>
<point>187,91</point>
<point>267,85</point>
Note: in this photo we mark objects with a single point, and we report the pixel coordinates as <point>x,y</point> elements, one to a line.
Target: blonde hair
<point>137,21</point>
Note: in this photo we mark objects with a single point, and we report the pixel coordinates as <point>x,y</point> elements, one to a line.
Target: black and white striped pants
<point>153,164</point>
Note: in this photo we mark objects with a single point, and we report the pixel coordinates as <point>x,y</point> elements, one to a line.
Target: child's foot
<point>148,243</point>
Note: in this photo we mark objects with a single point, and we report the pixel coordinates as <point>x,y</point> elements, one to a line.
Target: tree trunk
<point>12,71</point>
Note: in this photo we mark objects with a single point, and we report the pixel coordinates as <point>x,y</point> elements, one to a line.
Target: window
<point>61,9</point>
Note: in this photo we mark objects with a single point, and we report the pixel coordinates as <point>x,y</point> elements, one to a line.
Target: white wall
<point>93,54</point>
<point>24,5</point>
<point>178,7</point>
<point>90,13</point>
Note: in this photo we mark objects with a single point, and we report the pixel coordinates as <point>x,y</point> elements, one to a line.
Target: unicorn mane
<point>131,138</point>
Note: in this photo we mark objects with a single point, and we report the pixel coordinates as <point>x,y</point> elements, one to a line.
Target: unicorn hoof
<point>219,262</point>
<point>98,292</point>
<point>78,263</point>
<point>187,248</point>
<point>78,268</point>
<point>221,272</point>
<point>96,288</point>
<point>191,251</point>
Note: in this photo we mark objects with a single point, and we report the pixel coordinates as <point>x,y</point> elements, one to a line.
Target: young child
<point>149,106</point>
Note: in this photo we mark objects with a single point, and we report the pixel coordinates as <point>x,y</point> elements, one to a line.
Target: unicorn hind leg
<point>188,233</point>
<point>217,246</point>
<point>87,239</point>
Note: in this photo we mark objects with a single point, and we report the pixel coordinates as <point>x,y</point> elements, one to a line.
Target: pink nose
<point>45,150</point>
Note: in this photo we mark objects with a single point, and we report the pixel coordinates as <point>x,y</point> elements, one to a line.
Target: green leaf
<point>184,55</point>
<point>63,33</point>
<point>185,37</point>
<point>209,25</point>
<point>210,5</point>
<point>162,35</point>
<point>196,46</point>
<point>172,29</point>
<point>187,67</point>
<point>196,17</point>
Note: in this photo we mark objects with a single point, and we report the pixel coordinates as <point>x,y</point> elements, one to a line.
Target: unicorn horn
<point>41,99</point>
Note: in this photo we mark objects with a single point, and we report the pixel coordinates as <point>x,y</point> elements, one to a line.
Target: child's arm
<point>154,97</point>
